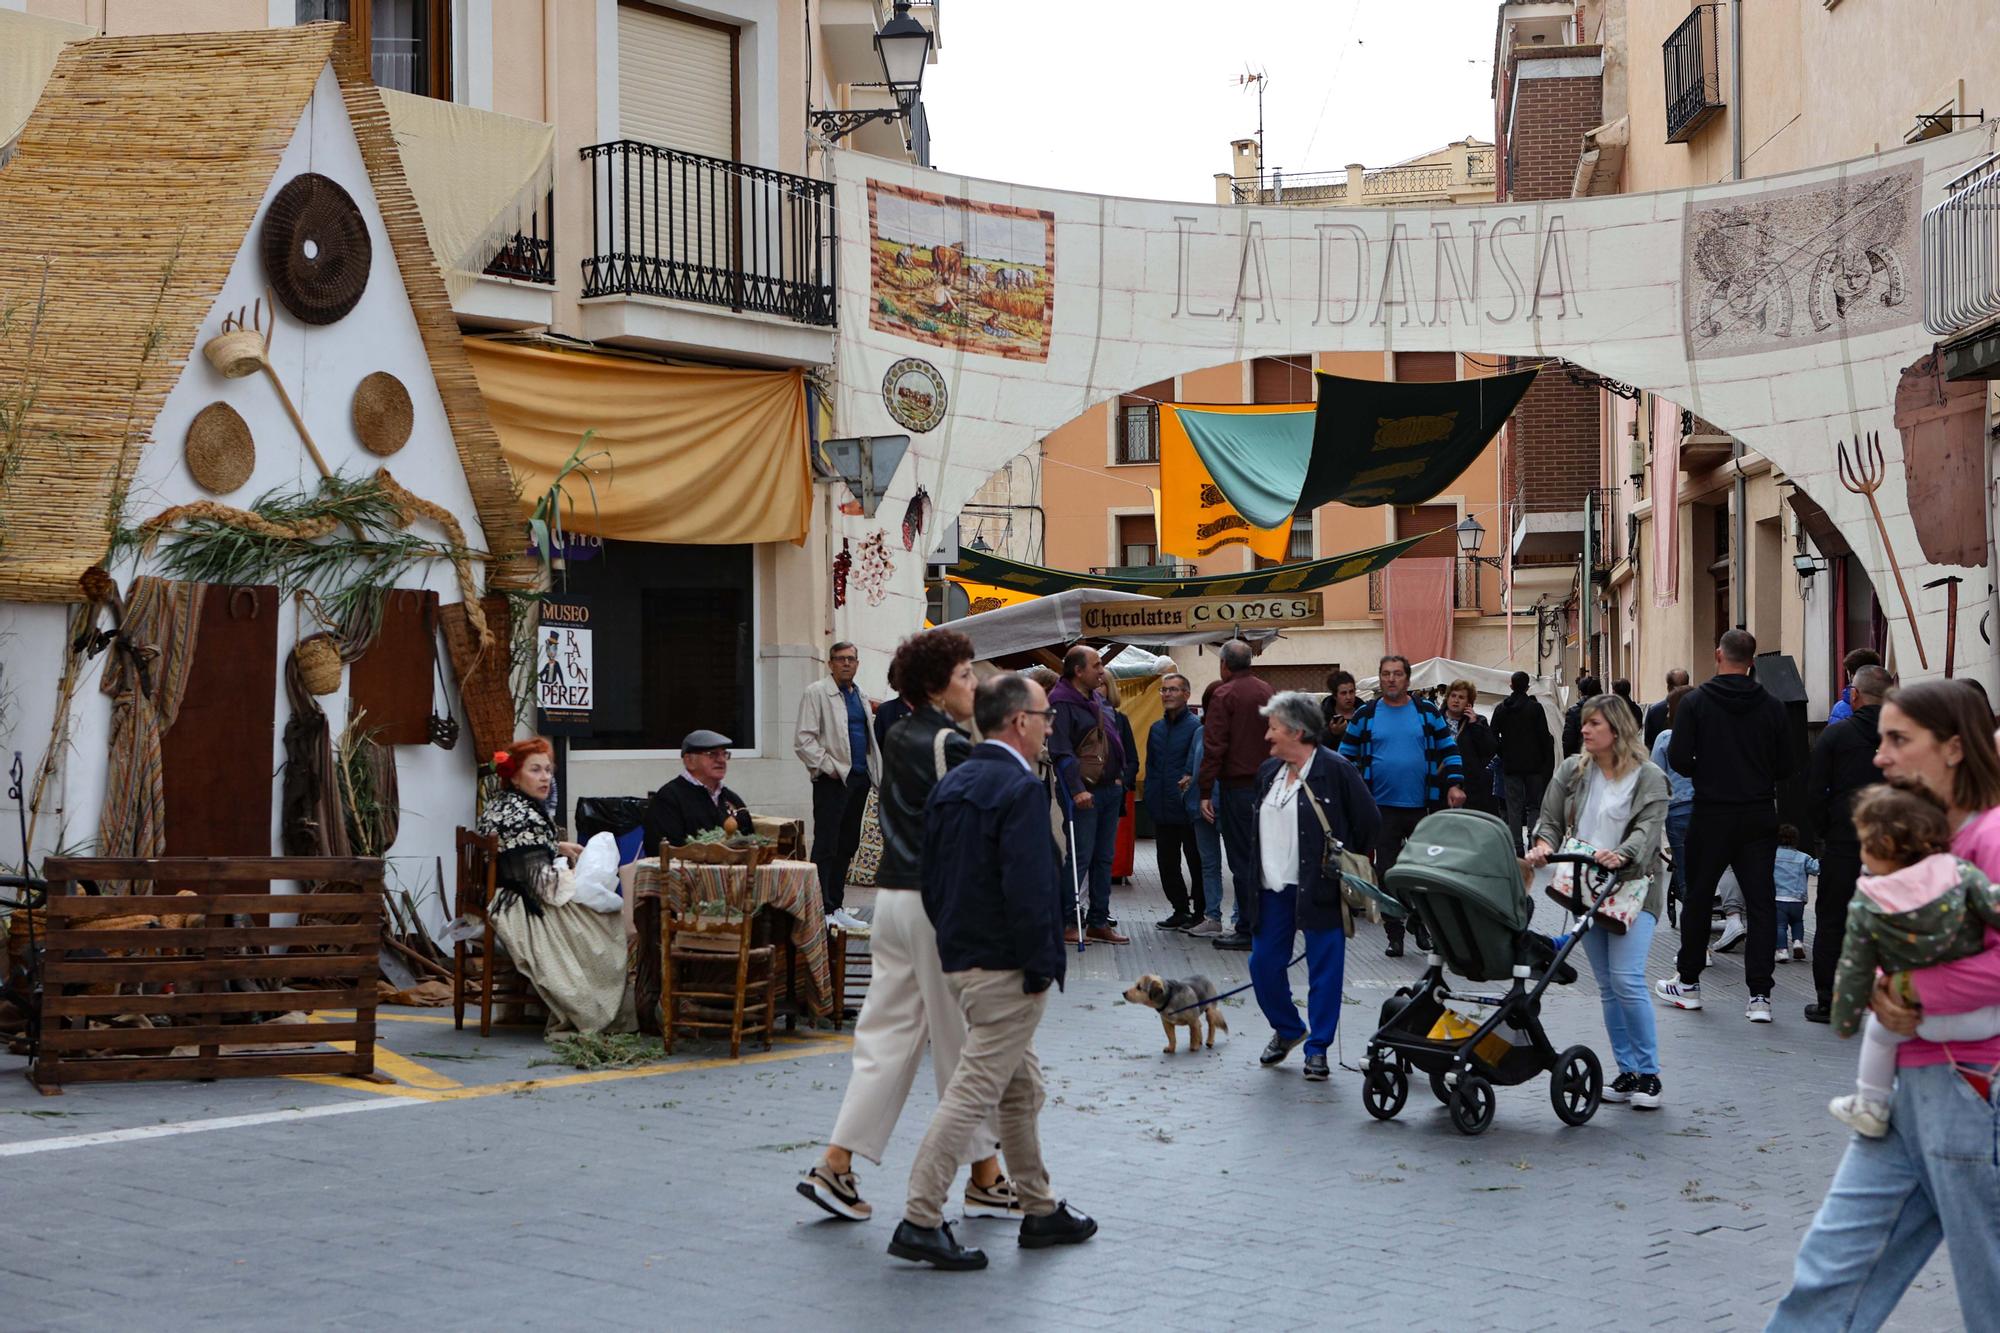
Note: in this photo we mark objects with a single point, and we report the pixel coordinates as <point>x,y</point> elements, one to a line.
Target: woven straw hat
<point>382,413</point>
<point>220,453</point>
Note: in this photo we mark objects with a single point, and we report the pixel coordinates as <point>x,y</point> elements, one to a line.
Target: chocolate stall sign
<point>1139,622</point>
<point>565,677</point>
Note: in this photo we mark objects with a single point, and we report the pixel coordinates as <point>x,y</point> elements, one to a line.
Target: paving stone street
<point>484,1190</point>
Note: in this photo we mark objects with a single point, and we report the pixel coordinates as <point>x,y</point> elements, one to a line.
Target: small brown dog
<point>1180,1004</point>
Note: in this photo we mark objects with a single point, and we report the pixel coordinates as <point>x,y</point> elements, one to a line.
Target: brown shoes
<point>1105,935</point>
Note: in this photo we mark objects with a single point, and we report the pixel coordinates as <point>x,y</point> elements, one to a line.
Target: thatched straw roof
<point>134,184</point>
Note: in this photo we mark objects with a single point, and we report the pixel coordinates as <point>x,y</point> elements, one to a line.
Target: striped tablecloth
<point>790,886</point>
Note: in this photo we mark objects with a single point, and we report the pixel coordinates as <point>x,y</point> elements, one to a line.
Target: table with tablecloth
<point>790,887</point>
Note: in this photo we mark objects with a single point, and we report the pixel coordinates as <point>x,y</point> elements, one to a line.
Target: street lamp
<point>1471,536</point>
<point>904,48</point>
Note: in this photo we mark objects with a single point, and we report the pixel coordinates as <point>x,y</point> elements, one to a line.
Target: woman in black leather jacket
<point>908,1007</point>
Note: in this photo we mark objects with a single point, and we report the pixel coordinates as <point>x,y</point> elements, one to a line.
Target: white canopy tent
<point>1492,682</point>
<point>1056,620</point>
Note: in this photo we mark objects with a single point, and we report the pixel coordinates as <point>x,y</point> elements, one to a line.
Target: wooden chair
<point>481,962</point>
<point>710,962</point>
<point>852,966</point>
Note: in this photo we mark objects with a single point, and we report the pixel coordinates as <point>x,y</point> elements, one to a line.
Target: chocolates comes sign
<point>1141,620</point>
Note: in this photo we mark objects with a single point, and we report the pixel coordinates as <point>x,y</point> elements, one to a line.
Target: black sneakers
<point>1316,1070</point>
<point>1065,1226</point>
<point>1621,1088</point>
<point>1647,1095</point>
<point>1278,1049</point>
<point>935,1246</point>
<point>836,1192</point>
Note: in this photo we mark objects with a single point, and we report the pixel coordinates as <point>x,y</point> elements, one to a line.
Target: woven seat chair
<point>716,977</point>
<point>480,969</point>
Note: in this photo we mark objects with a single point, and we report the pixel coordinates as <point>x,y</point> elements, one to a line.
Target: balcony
<point>1693,58</point>
<point>531,255</point>
<point>848,28</point>
<point>1467,174</point>
<point>1138,434</point>
<point>677,237</point>
<point>1962,253</point>
<point>1465,591</point>
<point>1164,573</point>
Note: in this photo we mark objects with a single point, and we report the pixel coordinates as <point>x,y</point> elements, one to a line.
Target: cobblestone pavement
<point>496,1193</point>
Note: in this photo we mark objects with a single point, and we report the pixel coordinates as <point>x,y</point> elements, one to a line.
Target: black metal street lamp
<point>1471,536</point>
<point>904,47</point>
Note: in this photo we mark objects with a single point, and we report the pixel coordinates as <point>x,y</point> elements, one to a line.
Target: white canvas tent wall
<point>1057,621</point>
<point>1492,682</point>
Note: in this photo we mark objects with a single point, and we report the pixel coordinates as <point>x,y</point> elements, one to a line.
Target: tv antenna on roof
<point>1262,78</point>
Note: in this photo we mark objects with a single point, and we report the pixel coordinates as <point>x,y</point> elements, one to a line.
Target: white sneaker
<point>1207,928</point>
<point>1732,931</point>
<point>1784,956</point>
<point>1799,954</point>
<point>1708,958</point>
<point>848,922</point>
<point>1866,1117</point>
<point>1759,1009</point>
<point>1678,993</point>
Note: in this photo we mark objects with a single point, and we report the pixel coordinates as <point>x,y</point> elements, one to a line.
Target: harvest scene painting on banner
<point>955,273</point>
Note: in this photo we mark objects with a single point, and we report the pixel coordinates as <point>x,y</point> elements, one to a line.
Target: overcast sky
<point>1139,97</point>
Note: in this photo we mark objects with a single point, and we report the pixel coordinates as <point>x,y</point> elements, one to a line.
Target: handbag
<point>1619,908</point>
<point>1093,756</point>
<point>1352,871</point>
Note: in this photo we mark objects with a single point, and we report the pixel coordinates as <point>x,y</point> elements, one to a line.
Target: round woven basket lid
<point>382,413</point>
<point>316,249</point>
<point>220,452</point>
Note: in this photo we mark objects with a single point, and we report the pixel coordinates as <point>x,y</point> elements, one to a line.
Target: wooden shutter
<point>677,81</point>
<point>217,756</point>
<point>1281,379</point>
<point>1426,367</point>
<point>394,681</point>
<point>1413,519</point>
<point>1136,530</point>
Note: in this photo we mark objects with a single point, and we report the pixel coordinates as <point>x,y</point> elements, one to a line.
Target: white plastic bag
<point>596,879</point>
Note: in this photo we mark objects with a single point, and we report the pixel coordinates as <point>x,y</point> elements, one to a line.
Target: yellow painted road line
<point>786,1050</point>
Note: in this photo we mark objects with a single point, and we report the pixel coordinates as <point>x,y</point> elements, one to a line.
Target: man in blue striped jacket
<point>1409,759</point>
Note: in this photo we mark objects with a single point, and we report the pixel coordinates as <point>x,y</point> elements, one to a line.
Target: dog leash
<point>1168,1013</point>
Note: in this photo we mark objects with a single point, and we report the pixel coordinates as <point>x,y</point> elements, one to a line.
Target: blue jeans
<point>1271,951</point>
<point>1619,963</point>
<point>1791,921</point>
<point>1678,818</point>
<point>1096,843</point>
<point>1208,841</point>
<point>1236,816</point>
<point>1934,1177</point>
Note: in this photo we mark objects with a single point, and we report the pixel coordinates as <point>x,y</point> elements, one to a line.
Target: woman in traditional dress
<point>575,957</point>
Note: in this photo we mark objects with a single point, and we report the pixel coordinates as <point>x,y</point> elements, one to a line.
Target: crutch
<point>1075,877</point>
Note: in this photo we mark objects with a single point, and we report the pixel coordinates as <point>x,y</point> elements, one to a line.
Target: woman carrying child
<point>1613,800</point>
<point>1932,1176</point>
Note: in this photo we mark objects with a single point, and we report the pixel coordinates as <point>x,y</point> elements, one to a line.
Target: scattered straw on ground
<point>606,1050</point>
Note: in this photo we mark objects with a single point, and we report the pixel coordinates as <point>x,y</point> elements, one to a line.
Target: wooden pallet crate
<point>111,954</point>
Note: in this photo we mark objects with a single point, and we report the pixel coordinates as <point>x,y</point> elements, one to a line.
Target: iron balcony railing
<point>1139,434</point>
<point>1962,252</point>
<point>1465,591</point>
<point>1163,572</point>
<point>1693,57</point>
<point>691,228</point>
<point>1406,180</point>
<point>530,256</point>
<point>1479,165</point>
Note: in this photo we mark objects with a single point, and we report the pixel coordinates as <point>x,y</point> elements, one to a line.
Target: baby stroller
<point>1460,874</point>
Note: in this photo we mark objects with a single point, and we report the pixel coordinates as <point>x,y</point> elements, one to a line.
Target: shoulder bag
<point>1352,871</point>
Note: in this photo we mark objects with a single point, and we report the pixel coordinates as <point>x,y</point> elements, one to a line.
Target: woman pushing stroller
<point>1610,801</point>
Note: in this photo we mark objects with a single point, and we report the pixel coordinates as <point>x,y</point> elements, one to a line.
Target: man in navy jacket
<point>991,886</point>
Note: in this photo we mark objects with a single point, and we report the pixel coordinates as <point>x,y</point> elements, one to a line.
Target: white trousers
<point>908,1008</point>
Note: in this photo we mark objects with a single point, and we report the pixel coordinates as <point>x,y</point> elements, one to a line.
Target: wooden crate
<point>182,972</point>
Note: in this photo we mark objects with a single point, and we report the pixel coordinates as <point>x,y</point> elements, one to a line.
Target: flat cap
<point>703,739</point>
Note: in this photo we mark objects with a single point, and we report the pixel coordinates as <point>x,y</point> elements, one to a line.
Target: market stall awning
<point>985,567</point>
<point>476,176</point>
<point>699,455</point>
<point>1056,621</point>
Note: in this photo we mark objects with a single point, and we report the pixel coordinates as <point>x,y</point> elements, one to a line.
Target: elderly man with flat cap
<point>695,800</point>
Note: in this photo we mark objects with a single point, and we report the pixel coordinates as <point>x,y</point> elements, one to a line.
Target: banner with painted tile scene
<point>955,273</point>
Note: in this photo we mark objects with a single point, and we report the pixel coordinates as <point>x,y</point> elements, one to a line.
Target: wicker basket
<point>716,854</point>
<point>319,663</point>
<point>237,353</point>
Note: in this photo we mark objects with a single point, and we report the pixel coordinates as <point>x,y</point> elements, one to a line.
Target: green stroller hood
<point>1459,871</point>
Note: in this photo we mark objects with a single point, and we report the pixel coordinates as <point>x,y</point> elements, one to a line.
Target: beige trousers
<point>998,1076</point>
<point>907,1009</point>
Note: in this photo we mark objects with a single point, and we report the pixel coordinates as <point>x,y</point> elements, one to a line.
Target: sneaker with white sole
<point>1759,1009</point>
<point>1733,931</point>
<point>1863,1115</point>
<point>1647,1095</point>
<point>1784,956</point>
<point>1620,1088</point>
<point>836,1192</point>
<point>995,1200</point>
<point>1799,954</point>
<point>1678,993</point>
<point>847,921</point>
<point>1207,928</point>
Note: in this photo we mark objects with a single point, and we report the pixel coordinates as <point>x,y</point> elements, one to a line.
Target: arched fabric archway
<point>981,315</point>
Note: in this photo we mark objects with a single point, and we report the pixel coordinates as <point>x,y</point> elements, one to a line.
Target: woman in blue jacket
<point>1302,784</point>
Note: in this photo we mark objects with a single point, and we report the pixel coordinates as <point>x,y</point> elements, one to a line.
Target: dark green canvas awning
<point>1378,443</point>
<point>985,567</point>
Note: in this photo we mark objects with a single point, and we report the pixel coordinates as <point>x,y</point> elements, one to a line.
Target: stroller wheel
<point>1576,1085</point>
<point>1439,1088</point>
<point>1385,1089</point>
<point>1472,1104</point>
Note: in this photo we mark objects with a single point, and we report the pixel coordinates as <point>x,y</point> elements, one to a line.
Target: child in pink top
<point>1918,906</point>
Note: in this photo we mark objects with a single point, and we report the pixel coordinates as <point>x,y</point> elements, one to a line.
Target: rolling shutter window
<point>1282,379</point>
<point>676,82</point>
<point>1426,367</point>
<point>1414,519</point>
